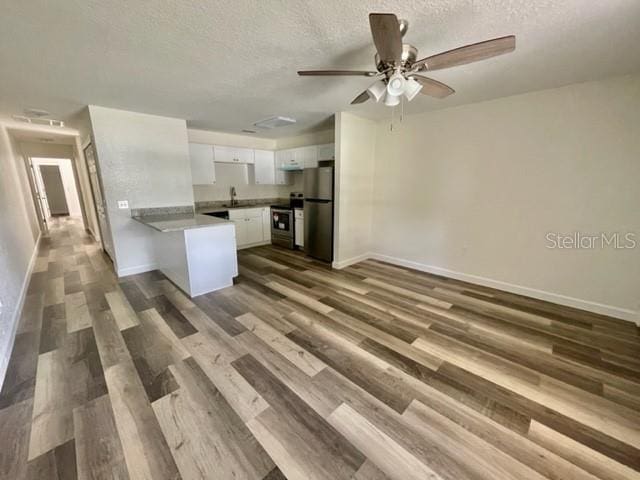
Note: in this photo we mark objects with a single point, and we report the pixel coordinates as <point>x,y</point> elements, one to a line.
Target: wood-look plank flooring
<point>302,372</point>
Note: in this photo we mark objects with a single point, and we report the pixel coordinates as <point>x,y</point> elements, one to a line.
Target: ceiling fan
<point>398,67</point>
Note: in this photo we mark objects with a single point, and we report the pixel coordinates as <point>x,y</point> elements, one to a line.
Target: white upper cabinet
<point>202,168</point>
<point>297,158</point>
<point>290,159</point>
<point>307,157</point>
<point>282,159</point>
<point>270,168</point>
<point>224,154</point>
<point>327,151</point>
<point>264,167</point>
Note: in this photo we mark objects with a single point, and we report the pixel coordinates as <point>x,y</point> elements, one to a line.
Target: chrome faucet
<point>234,202</point>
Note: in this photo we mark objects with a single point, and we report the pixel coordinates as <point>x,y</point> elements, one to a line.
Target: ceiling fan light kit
<point>411,88</point>
<point>398,62</point>
<point>396,83</point>
<point>377,90</point>
<point>391,100</point>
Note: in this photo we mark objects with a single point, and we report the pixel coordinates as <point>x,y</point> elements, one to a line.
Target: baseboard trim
<point>587,305</point>
<point>251,245</point>
<point>15,320</point>
<point>124,272</point>
<point>350,261</point>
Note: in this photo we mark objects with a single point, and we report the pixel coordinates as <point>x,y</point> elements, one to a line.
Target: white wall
<point>143,159</point>
<point>19,232</point>
<point>68,182</point>
<point>355,156</point>
<point>313,138</point>
<point>472,191</point>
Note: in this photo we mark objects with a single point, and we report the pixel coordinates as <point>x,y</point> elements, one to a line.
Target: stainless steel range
<point>282,226</point>
<point>283,222</point>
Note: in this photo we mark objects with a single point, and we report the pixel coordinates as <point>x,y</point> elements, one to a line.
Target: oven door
<point>282,222</point>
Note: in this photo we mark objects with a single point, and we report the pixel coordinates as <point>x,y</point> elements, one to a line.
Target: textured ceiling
<point>223,65</point>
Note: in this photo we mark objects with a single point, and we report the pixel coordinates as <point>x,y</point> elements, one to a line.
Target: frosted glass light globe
<point>395,86</point>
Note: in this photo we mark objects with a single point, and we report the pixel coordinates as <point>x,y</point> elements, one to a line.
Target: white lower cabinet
<point>250,226</point>
<point>241,230</point>
<point>266,224</point>
<point>299,227</point>
<point>254,227</point>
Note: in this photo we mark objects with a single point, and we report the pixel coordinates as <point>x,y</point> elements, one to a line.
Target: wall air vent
<point>274,122</point>
<point>39,121</point>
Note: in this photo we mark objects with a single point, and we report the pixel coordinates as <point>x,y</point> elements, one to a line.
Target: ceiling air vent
<point>39,121</point>
<point>244,130</point>
<point>35,112</point>
<point>274,122</point>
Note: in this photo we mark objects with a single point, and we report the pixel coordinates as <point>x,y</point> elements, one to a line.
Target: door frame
<point>85,147</point>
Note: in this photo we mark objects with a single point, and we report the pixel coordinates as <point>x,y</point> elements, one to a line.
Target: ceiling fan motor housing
<point>409,56</point>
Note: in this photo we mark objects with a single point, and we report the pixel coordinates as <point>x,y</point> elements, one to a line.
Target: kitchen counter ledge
<point>182,221</point>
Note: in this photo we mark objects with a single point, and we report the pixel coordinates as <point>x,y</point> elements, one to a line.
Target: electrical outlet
<point>123,204</point>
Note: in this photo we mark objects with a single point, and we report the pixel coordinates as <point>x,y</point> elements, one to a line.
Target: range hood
<point>291,168</point>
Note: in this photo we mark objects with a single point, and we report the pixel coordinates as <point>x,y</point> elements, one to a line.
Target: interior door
<point>40,197</point>
<point>56,198</point>
<point>98,199</point>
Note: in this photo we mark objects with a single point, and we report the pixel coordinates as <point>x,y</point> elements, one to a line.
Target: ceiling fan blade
<point>432,87</point>
<point>363,97</point>
<point>468,53</point>
<point>385,29</point>
<point>322,73</point>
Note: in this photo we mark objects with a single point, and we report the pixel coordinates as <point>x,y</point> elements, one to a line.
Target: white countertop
<point>176,222</point>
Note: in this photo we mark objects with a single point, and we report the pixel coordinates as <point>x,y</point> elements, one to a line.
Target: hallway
<point>303,372</point>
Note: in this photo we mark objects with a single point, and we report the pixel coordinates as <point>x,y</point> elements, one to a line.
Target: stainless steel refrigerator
<point>318,212</point>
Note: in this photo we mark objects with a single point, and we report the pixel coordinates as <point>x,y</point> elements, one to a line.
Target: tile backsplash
<point>220,190</point>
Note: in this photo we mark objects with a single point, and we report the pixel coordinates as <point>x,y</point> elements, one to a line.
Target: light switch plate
<point>123,204</point>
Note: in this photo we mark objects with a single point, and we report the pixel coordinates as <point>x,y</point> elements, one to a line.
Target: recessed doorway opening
<point>56,188</point>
